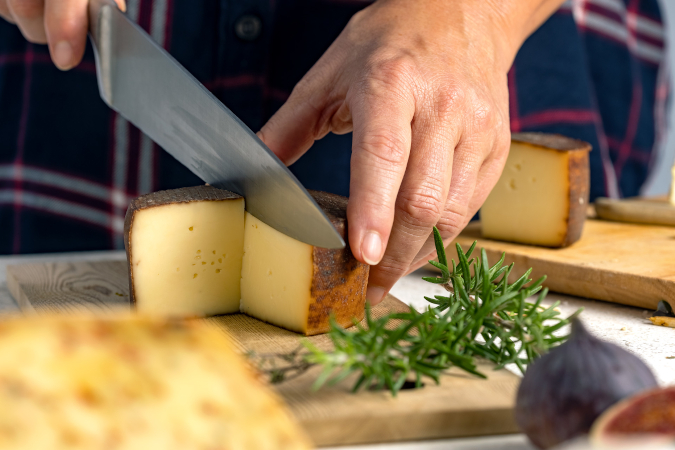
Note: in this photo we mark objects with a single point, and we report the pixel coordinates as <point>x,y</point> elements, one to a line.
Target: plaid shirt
<point>69,165</point>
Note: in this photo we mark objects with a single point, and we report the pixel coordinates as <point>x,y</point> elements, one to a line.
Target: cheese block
<point>184,249</point>
<point>542,194</point>
<point>133,383</point>
<point>297,286</point>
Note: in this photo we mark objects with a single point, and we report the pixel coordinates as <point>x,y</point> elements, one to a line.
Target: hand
<point>422,85</point>
<point>62,24</point>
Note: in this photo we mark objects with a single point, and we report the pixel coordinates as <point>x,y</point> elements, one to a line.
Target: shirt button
<point>248,27</point>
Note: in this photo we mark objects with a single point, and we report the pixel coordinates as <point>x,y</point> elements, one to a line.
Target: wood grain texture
<point>636,210</point>
<point>617,262</point>
<point>462,405</point>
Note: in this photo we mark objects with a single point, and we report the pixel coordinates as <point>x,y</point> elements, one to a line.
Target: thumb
<point>304,118</point>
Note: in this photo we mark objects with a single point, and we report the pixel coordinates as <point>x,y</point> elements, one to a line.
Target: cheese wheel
<point>542,194</point>
<point>133,383</point>
<point>297,286</point>
<point>184,249</point>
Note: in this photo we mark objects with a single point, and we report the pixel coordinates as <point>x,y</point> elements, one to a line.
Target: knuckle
<point>448,100</point>
<point>26,9</point>
<point>391,75</point>
<point>483,115</point>
<point>452,221</point>
<point>390,148</point>
<point>420,208</point>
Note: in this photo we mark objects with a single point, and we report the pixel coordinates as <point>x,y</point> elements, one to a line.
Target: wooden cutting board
<point>462,405</point>
<point>618,262</point>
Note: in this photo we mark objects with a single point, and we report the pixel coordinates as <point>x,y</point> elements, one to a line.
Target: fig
<point>649,413</point>
<point>565,390</point>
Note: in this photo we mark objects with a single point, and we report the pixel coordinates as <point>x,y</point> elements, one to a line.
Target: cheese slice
<point>297,286</point>
<point>133,383</point>
<point>542,194</point>
<point>184,249</point>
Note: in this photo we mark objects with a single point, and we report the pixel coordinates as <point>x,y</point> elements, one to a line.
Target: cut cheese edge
<point>195,252</point>
<point>297,286</point>
<point>184,249</point>
<point>133,383</point>
<point>542,194</point>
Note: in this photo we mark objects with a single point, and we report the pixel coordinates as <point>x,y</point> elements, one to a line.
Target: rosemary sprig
<point>483,316</point>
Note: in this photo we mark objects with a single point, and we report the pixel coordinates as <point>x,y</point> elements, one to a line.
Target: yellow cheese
<point>542,194</point>
<point>185,252</point>
<point>276,276</point>
<point>133,383</point>
<point>297,286</point>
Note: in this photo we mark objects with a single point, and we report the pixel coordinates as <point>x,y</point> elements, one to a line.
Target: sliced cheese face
<point>186,257</point>
<point>133,383</point>
<point>530,202</point>
<point>276,277</point>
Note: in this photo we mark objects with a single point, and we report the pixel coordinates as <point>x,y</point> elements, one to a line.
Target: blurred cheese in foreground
<point>542,194</point>
<point>132,384</point>
<point>297,286</point>
<point>184,248</point>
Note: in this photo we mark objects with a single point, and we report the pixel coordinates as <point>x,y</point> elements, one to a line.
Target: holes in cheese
<point>297,286</point>
<point>170,238</point>
<point>185,250</point>
<point>133,383</point>
<point>542,194</point>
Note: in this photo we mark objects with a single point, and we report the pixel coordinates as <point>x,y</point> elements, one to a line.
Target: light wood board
<point>462,405</point>
<point>617,262</point>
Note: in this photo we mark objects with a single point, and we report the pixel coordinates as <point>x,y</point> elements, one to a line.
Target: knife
<point>142,82</point>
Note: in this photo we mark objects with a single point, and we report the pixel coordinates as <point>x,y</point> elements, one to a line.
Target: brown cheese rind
<point>551,141</point>
<point>579,176</point>
<point>339,281</point>
<point>159,198</point>
<point>580,187</point>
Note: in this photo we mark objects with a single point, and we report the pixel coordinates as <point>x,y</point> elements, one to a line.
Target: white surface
<point>623,325</point>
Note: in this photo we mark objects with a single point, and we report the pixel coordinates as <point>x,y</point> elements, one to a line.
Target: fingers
<point>382,115</point>
<point>452,223</point>
<point>420,200</point>
<point>5,13</point>
<point>66,23</point>
<point>306,115</point>
<point>29,17</point>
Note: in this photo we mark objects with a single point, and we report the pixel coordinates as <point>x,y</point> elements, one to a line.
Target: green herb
<point>483,316</point>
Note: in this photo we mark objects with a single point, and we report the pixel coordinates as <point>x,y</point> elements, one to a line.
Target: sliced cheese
<point>184,250</point>
<point>297,286</point>
<point>133,383</point>
<point>542,194</point>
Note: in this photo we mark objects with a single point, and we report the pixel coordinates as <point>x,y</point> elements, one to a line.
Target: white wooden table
<point>623,325</point>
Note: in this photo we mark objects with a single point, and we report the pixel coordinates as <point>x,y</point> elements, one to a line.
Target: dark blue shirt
<point>69,165</point>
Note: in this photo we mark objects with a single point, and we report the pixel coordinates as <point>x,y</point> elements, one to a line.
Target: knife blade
<point>143,83</point>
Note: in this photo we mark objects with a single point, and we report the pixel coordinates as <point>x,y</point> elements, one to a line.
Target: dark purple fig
<point>564,391</point>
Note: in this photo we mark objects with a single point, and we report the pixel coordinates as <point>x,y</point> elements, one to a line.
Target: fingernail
<point>63,55</point>
<point>371,248</point>
<point>375,294</point>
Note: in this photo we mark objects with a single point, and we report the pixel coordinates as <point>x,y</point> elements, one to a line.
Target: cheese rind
<point>133,383</point>
<point>542,194</point>
<point>184,250</point>
<point>297,286</point>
